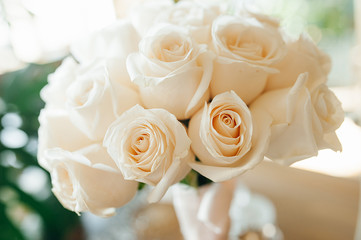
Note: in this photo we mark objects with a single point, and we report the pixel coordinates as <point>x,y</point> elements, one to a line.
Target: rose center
<point>84,96</point>
<point>172,49</point>
<point>141,143</point>
<point>227,120</point>
<point>80,91</point>
<point>227,124</point>
<point>244,43</point>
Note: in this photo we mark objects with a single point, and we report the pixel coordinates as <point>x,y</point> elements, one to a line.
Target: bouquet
<point>181,91</point>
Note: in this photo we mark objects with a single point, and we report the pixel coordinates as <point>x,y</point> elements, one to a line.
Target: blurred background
<point>35,37</point>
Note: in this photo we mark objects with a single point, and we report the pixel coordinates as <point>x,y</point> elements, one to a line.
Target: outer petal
<point>302,56</point>
<point>95,185</point>
<point>54,132</point>
<point>247,80</point>
<point>176,172</point>
<point>182,142</point>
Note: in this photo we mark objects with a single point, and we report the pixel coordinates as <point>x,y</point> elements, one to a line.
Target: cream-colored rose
<point>197,17</point>
<point>53,94</point>
<point>84,177</point>
<point>227,138</point>
<point>302,56</point>
<point>112,44</point>
<point>172,71</point>
<point>150,146</point>
<point>88,180</point>
<point>115,41</point>
<point>94,100</point>
<point>144,15</point>
<point>245,50</point>
<point>57,131</point>
<point>304,121</point>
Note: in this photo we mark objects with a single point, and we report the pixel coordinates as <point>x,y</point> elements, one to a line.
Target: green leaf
<point>8,229</point>
<point>20,90</point>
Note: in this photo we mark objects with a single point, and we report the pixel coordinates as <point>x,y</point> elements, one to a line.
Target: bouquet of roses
<point>176,89</point>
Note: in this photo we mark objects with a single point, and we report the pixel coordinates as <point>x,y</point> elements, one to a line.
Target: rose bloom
<point>304,120</point>
<point>150,146</point>
<point>81,170</point>
<point>94,100</point>
<point>54,93</point>
<point>302,56</point>
<point>111,45</point>
<point>246,50</point>
<point>97,89</point>
<point>88,180</point>
<point>196,16</point>
<point>227,137</point>
<point>114,41</point>
<point>172,71</point>
<point>143,15</point>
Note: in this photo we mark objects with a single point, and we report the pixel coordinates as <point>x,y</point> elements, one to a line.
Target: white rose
<point>112,44</point>
<point>172,71</point>
<point>197,17</point>
<point>88,180</point>
<point>144,15</point>
<point>302,56</point>
<point>227,138</point>
<point>57,131</point>
<point>53,94</point>
<point>304,121</point>
<point>245,50</point>
<point>94,100</point>
<point>115,41</point>
<point>150,146</point>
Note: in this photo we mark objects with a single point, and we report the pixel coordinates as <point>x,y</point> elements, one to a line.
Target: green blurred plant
<point>334,17</point>
<point>19,96</point>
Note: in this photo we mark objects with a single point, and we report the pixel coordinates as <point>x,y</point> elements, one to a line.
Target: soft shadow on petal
<point>177,171</point>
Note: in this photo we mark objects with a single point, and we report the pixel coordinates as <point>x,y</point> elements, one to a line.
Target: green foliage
<point>334,17</point>
<point>195,179</point>
<point>19,94</point>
